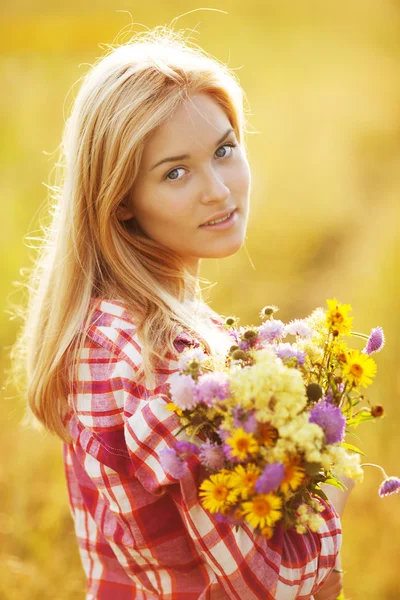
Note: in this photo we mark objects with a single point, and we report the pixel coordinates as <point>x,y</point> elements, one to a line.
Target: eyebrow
<point>186,156</point>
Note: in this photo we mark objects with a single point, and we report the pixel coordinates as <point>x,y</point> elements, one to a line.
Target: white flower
<point>189,355</point>
<point>298,327</point>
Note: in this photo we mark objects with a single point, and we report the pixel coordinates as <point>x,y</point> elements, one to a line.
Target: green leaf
<point>353,435</point>
<point>353,448</point>
<point>362,417</point>
<point>336,483</point>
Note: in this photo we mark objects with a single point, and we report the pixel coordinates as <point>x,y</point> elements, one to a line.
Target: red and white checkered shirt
<point>142,534</point>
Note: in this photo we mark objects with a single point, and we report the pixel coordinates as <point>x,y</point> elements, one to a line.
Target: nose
<point>214,188</point>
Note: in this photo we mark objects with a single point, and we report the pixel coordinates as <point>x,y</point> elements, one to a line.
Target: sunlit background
<point>323,86</point>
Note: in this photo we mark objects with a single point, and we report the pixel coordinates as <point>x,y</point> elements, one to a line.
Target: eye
<point>229,145</point>
<point>173,172</point>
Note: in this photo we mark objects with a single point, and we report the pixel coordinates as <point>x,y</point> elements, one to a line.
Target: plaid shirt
<point>142,534</point>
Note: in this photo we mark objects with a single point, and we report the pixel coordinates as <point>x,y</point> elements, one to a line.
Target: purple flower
<point>375,342</point>
<point>182,388</point>
<point>184,447</point>
<point>172,464</point>
<point>211,386</point>
<point>329,395</point>
<point>271,330</point>
<point>245,419</point>
<point>286,351</point>
<point>298,327</point>
<point>391,485</point>
<point>212,456</point>
<point>270,479</point>
<point>330,419</point>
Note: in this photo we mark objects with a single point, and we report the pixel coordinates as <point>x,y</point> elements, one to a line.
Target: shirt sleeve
<point>289,566</point>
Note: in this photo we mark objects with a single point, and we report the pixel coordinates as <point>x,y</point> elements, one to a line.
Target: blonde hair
<point>86,250</point>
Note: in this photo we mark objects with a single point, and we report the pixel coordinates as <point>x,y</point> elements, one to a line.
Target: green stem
<point>377,466</point>
<point>357,334</point>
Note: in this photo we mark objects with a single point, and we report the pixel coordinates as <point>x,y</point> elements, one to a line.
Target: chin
<point>224,250</point>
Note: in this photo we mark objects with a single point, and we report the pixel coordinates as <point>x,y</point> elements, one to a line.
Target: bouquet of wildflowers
<point>269,419</point>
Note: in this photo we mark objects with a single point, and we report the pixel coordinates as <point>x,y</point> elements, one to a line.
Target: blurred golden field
<point>323,85</point>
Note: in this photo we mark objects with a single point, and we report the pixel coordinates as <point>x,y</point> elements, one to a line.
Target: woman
<point>156,178</point>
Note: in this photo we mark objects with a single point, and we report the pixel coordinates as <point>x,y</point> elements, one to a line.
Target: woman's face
<point>193,170</point>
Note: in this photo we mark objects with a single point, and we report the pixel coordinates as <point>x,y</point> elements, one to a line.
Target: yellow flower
<point>359,368</point>
<point>216,492</point>
<point>294,475</point>
<point>242,444</point>
<point>263,510</point>
<point>244,480</point>
<point>173,407</point>
<point>267,434</point>
<point>267,532</point>
<point>337,316</point>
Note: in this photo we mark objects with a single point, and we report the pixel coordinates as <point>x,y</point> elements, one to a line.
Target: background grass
<point>323,84</point>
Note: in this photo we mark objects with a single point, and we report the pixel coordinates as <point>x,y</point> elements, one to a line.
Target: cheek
<point>240,177</point>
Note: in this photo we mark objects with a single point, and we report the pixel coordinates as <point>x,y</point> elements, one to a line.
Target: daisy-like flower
<point>241,444</point>
<point>212,456</point>
<point>262,510</point>
<point>182,388</point>
<point>375,342</point>
<point>244,479</point>
<point>294,475</point>
<point>331,420</point>
<point>172,463</point>
<point>271,330</point>
<point>270,479</point>
<point>337,316</point>
<point>391,485</point>
<point>216,492</point>
<point>359,369</point>
<point>298,327</point>
<point>212,386</point>
<point>267,434</point>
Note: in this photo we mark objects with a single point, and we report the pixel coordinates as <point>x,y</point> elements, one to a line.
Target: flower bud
<point>230,321</point>
<point>268,311</point>
<point>377,410</point>
<point>314,391</point>
<point>250,334</point>
<point>238,355</point>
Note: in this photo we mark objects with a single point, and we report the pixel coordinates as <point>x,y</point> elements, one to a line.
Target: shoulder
<point>113,327</point>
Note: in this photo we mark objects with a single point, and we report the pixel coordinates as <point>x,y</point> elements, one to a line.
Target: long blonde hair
<point>86,250</point>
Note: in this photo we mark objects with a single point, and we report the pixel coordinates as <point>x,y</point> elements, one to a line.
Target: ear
<point>123,212</point>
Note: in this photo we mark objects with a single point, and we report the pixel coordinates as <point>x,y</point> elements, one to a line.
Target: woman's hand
<point>331,588</point>
<point>333,585</point>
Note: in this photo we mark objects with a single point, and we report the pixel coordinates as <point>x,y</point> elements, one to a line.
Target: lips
<point>219,215</point>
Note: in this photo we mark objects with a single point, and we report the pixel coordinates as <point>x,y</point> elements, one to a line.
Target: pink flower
<point>182,388</point>
<point>172,464</point>
<point>271,330</point>
<point>212,386</point>
<point>212,456</point>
